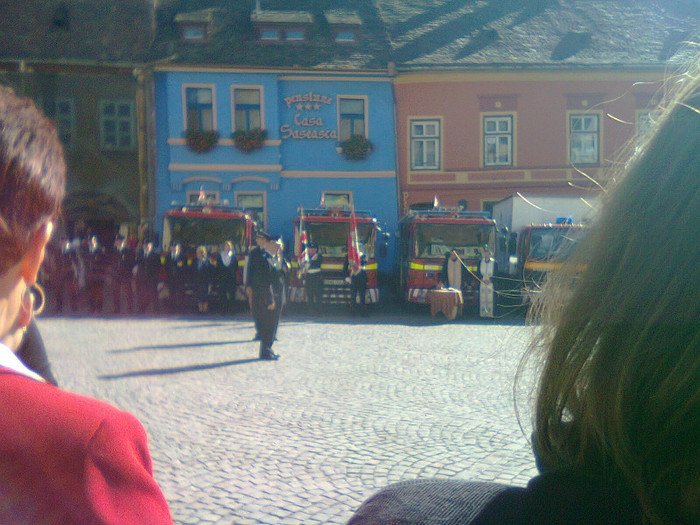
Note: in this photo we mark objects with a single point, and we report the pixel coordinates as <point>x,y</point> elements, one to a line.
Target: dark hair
<point>32,174</point>
<point>619,395</point>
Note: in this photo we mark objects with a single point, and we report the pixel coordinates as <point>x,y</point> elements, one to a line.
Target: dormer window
<point>345,25</point>
<point>193,33</point>
<point>294,35</point>
<point>269,35</point>
<point>197,26</point>
<point>276,26</point>
<point>345,37</point>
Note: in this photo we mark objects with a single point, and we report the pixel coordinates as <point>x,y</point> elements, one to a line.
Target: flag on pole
<point>353,243</point>
<point>303,242</point>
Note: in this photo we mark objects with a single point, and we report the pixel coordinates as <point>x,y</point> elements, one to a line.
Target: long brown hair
<point>32,174</point>
<point>619,395</point>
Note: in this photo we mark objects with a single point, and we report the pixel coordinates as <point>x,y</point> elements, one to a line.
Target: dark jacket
<point>555,498</point>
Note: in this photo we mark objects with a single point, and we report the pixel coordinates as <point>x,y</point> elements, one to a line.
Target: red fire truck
<point>329,229</point>
<point>211,226</point>
<point>426,236</point>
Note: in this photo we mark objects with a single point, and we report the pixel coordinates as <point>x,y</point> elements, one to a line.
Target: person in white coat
<point>487,267</point>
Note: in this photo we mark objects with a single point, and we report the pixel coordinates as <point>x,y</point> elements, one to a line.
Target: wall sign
<point>306,123</point>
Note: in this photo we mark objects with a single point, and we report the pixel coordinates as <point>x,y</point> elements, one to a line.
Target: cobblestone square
<point>352,404</point>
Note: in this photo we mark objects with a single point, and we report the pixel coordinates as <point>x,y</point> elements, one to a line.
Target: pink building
<point>540,97</point>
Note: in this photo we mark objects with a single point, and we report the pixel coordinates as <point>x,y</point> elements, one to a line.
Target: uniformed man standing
<point>123,264</point>
<point>260,281</point>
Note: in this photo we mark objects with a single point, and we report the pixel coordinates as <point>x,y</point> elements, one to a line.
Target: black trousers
<point>314,287</point>
<point>265,319</point>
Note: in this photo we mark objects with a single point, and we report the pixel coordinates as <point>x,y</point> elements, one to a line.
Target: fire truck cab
<point>426,236</point>
<point>329,230</point>
<point>211,226</point>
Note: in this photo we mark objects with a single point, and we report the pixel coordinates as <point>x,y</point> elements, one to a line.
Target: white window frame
<point>65,123</point>
<point>185,87</point>
<point>585,132</point>
<point>131,120</point>
<point>498,134</point>
<point>233,105</point>
<point>421,139</point>
<point>326,194</point>
<point>263,194</point>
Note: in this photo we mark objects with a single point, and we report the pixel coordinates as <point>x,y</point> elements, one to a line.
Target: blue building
<point>305,116</point>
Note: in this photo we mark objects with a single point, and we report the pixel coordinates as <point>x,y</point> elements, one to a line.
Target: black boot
<point>266,352</point>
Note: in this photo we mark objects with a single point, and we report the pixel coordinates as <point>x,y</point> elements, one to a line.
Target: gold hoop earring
<point>39,302</point>
<point>40,295</point>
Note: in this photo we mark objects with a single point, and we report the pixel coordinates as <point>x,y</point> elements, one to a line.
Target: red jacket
<point>70,459</point>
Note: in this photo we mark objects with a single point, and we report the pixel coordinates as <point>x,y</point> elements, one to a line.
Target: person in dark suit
<point>64,458</point>
<point>176,271</point>
<point>123,261</point>
<point>97,271</point>
<point>260,282</point>
<point>147,273</point>
<point>226,275</point>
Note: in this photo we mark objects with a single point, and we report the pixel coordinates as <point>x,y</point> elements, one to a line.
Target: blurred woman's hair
<point>32,175</point>
<point>619,393</point>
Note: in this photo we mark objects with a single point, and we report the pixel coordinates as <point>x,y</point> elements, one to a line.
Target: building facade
<point>304,117</point>
<point>477,137</point>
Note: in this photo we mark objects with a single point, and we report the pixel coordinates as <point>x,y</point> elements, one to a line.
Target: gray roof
<point>343,16</point>
<point>105,31</point>
<point>476,33</point>
<point>281,17</point>
<point>415,34</point>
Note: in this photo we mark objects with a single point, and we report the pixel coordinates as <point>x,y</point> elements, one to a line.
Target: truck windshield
<point>332,237</point>
<point>191,232</point>
<point>468,240</point>
<point>553,243</point>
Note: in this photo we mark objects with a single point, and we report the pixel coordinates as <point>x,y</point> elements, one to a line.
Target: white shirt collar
<point>8,359</point>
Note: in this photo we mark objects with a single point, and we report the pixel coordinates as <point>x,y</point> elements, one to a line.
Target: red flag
<point>353,243</point>
<point>303,241</point>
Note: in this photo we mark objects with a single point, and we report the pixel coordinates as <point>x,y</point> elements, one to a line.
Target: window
<point>584,138</point>
<point>345,37</point>
<point>246,103</point>
<point>498,141</point>
<point>117,125</point>
<point>269,34</point>
<point>336,199</point>
<point>210,197</point>
<point>294,35</point>
<point>200,108</point>
<point>193,33</point>
<point>425,144</point>
<point>65,120</point>
<point>351,120</point>
<point>254,205</point>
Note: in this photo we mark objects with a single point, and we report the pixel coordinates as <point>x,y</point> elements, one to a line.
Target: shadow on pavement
<point>192,344</point>
<point>175,370</point>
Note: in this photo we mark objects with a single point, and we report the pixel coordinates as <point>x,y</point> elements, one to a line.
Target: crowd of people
<point>84,275</point>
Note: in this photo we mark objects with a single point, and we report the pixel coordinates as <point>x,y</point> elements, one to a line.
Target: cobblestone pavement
<point>352,404</point>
